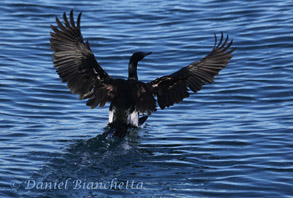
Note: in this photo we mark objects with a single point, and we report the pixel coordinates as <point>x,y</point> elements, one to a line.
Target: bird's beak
<point>148,53</point>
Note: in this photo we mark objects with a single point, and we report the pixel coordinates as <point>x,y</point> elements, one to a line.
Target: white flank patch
<point>111,116</point>
<point>133,118</point>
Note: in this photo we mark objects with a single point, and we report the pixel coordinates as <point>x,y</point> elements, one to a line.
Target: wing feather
<point>77,65</point>
<point>172,89</point>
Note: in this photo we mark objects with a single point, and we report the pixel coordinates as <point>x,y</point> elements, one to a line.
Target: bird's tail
<point>118,131</point>
<point>121,130</point>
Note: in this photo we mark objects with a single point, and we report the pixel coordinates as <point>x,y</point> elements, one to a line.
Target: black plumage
<point>76,65</point>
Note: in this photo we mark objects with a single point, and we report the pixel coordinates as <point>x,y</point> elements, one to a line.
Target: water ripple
<point>232,139</point>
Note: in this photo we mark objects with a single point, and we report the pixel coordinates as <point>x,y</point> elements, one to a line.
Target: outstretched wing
<point>76,63</point>
<point>173,88</point>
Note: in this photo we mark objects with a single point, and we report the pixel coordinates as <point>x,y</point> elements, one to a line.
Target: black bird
<point>76,65</point>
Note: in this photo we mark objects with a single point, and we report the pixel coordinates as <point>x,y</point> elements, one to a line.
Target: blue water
<point>231,139</point>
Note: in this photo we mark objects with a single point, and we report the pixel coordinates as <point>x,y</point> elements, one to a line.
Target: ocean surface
<point>233,139</point>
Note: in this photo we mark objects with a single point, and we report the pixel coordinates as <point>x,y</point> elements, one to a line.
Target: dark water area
<point>231,139</point>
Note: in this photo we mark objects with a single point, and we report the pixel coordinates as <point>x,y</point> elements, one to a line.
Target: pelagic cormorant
<point>76,65</point>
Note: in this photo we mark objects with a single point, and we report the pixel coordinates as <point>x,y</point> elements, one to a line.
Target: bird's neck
<point>132,71</point>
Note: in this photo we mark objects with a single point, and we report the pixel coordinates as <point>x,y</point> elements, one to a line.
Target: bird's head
<point>132,67</point>
<point>138,56</point>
